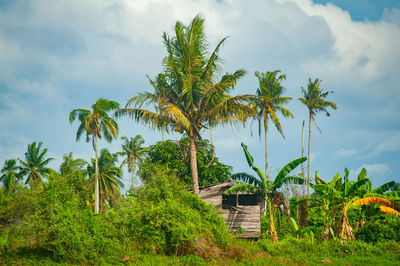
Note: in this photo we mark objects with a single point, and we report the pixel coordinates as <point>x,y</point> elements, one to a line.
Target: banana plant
<point>267,190</point>
<point>348,195</point>
<point>366,211</point>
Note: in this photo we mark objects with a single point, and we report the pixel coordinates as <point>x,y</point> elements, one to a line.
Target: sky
<point>56,56</point>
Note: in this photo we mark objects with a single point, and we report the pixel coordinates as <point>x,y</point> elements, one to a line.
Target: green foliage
<point>35,163</point>
<point>167,219</point>
<point>302,251</point>
<point>110,175</point>
<point>54,221</point>
<point>175,156</point>
<point>379,228</point>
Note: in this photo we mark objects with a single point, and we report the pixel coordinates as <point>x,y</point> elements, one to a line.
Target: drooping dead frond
<point>389,210</point>
<point>372,200</point>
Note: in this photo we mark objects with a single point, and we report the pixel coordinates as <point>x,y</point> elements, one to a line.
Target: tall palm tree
<point>267,190</point>
<point>134,153</point>
<point>109,175</point>
<point>314,99</point>
<point>35,163</point>
<point>268,103</point>
<point>10,174</point>
<point>186,95</point>
<point>96,124</point>
<point>71,165</point>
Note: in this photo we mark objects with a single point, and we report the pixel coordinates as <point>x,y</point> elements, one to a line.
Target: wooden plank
<point>243,220</point>
<point>248,235</point>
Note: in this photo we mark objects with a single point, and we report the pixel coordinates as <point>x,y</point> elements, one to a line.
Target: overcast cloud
<point>60,55</point>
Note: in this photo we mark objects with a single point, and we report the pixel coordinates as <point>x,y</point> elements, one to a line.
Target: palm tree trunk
<point>302,175</point>
<point>309,152</point>
<point>162,134</point>
<point>302,155</point>
<point>96,185</point>
<point>211,135</point>
<point>274,235</point>
<point>133,171</point>
<point>193,165</point>
<point>266,145</point>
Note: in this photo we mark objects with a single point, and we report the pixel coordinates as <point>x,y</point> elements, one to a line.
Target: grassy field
<point>263,252</point>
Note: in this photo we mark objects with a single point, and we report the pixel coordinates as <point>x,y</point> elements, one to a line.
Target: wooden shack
<point>239,210</point>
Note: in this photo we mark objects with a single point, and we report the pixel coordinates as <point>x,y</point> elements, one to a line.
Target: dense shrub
<point>379,228</point>
<point>164,218</point>
<point>54,221</point>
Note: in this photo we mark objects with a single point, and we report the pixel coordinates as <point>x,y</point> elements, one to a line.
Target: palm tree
<point>96,124</point>
<point>71,165</point>
<point>11,174</point>
<point>134,153</point>
<point>314,99</point>
<point>266,189</point>
<point>268,103</point>
<point>109,175</point>
<point>186,97</point>
<point>35,163</point>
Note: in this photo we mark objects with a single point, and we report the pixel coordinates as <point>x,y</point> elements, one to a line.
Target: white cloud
<point>372,169</point>
<point>391,143</point>
<point>364,51</point>
<point>342,152</point>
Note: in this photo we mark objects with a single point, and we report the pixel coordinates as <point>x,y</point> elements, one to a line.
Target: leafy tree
<point>134,153</point>
<point>109,175</point>
<point>175,156</point>
<point>70,165</point>
<point>314,99</point>
<point>186,97</point>
<point>96,124</point>
<point>268,190</point>
<point>35,163</point>
<point>10,174</point>
<point>268,103</point>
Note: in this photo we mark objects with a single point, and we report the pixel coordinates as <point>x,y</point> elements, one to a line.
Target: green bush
<point>382,227</point>
<point>164,218</point>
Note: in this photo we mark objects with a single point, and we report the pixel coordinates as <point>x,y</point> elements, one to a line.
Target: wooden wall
<point>247,217</point>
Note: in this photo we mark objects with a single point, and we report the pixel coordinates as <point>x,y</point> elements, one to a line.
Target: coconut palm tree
<point>268,103</point>
<point>186,95</point>
<point>134,153</point>
<point>314,99</point>
<point>109,175</point>
<point>35,163</point>
<point>96,124</point>
<point>10,174</point>
<point>71,165</point>
<point>267,190</point>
